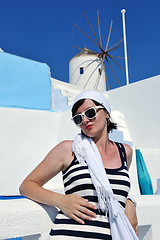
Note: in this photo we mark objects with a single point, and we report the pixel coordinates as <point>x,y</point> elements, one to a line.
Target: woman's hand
<point>76,207</point>
<point>130,211</point>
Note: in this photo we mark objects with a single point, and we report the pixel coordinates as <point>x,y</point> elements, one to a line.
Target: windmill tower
<point>85,71</point>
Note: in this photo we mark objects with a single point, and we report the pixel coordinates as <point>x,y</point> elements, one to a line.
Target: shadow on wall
<point>60,102</point>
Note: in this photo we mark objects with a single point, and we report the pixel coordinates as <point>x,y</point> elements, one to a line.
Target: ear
<point>107,115</point>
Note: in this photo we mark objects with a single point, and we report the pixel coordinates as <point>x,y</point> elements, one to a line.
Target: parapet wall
<point>139,103</point>
<point>31,221</point>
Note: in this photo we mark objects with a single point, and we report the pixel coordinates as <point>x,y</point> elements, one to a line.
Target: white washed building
<point>86,72</point>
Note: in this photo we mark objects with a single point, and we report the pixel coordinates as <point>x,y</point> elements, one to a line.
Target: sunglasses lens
<point>77,119</point>
<point>90,113</point>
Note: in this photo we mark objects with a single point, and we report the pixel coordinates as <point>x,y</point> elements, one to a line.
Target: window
<point>99,71</point>
<point>81,70</point>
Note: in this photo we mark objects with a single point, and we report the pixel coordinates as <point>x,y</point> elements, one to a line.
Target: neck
<point>103,142</point>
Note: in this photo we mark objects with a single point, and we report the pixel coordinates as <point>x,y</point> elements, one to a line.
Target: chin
<point>89,134</point>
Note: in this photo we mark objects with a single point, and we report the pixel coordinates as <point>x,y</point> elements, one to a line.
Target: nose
<point>85,119</point>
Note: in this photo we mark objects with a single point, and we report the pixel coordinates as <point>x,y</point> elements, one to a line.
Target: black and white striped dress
<point>77,180</point>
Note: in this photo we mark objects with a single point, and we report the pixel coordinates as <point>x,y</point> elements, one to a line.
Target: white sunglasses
<point>89,113</point>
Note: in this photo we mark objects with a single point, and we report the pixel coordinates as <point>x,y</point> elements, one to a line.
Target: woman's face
<point>96,126</point>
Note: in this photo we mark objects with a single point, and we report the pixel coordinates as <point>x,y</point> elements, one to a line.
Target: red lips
<point>88,127</point>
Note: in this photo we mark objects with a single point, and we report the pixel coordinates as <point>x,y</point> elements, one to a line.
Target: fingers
<point>88,212</point>
<point>136,230</point>
<point>130,212</point>
<point>90,205</point>
<point>84,214</point>
<point>82,202</point>
<point>82,211</point>
<point>135,227</point>
<point>77,219</point>
<point>77,208</point>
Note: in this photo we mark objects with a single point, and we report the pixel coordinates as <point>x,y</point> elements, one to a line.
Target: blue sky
<point>43,31</point>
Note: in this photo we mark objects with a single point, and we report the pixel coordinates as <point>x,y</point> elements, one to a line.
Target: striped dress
<point>77,180</point>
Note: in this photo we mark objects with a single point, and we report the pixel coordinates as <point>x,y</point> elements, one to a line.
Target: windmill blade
<point>91,62</point>
<point>99,31</point>
<point>77,47</point>
<point>115,44</point>
<point>104,54</point>
<point>98,78</point>
<point>113,72</point>
<point>100,69</point>
<point>102,64</point>
<point>116,62</point>
<point>91,28</point>
<point>86,35</point>
<point>88,50</point>
<point>117,57</point>
<point>92,72</point>
<point>109,36</point>
<point>90,77</point>
<point>86,83</point>
<point>115,48</point>
<point>107,80</point>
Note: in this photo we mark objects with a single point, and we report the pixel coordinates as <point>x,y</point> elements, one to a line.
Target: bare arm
<point>130,209</point>
<point>47,169</point>
<point>128,154</point>
<point>130,212</point>
<point>57,160</point>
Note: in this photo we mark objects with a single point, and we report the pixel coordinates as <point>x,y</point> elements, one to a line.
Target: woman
<point>82,214</point>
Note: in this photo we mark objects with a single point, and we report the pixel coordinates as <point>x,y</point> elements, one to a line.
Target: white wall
<point>139,103</point>
<point>26,137</point>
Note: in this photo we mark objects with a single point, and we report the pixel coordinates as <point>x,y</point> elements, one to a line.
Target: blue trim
<point>27,108</point>
<point>18,238</point>
<point>11,198</point>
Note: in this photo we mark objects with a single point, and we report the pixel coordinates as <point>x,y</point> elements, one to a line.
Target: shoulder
<point>64,150</point>
<point>61,153</point>
<point>65,145</point>
<point>129,151</point>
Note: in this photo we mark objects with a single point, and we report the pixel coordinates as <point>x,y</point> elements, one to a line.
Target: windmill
<point>103,56</point>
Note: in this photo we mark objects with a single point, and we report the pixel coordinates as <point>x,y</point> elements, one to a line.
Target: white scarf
<point>86,151</point>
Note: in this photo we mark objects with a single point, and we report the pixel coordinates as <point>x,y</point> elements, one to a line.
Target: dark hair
<point>110,124</point>
<point>76,106</point>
